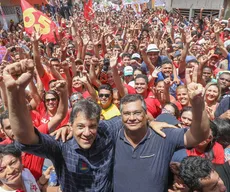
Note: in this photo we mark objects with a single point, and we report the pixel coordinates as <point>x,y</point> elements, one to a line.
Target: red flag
<point>36,19</point>
<point>88,10</point>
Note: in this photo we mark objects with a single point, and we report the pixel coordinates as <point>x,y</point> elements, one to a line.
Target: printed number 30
<point>43,22</point>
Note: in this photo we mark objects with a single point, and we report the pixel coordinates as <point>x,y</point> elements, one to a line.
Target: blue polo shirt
<point>81,170</point>
<point>145,168</point>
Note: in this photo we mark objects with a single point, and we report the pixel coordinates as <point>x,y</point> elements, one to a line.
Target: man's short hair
<point>207,67</point>
<point>223,131</point>
<point>90,109</point>
<point>131,98</point>
<point>9,149</point>
<point>88,53</point>
<point>54,59</point>
<point>193,169</point>
<point>126,55</point>
<point>143,77</point>
<point>106,87</point>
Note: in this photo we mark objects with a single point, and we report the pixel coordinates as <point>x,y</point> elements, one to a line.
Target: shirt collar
<point>147,136</point>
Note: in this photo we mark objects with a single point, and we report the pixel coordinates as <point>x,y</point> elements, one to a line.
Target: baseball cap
<point>168,118</point>
<point>165,60</point>
<point>136,56</point>
<point>190,58</point>
<point>215,55</point>
<point>177,54</point>
<point>227,29</point>
<point>128,70</point>
<point>152,48</point>
<point>226,43</point>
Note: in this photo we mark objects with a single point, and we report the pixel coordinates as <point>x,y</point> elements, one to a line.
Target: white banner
<point>130,2</point>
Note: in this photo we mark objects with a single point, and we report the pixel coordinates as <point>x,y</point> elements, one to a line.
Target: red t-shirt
<point>153,105</point>
<point>218,153</point>
<point>32,162</point>
<point>130,89</point>
<point>36,118</point>
<point>47,77</point>
<point>46,118</point>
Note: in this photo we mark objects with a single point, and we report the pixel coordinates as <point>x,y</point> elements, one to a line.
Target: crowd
<point>122,102</point>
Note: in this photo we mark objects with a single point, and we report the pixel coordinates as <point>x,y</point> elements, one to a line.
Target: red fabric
<point>217,150</point>
<point>36,19</point>
<point>36,118</point>
<point>6,141</point>
<point>130,89</point>
<point>46,118</point>
<point>86,94</point>
<point>47,77</point>
<point>32,162</point>
<point>88,12</point>
<point>41,109</point>
<point>153,106</point>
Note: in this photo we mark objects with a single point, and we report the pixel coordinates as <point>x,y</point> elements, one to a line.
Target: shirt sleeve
<point>222,107</point>
<point>47,147</point>
<point>112,126</point>
<point>228,58</point>
<point>175,137</point>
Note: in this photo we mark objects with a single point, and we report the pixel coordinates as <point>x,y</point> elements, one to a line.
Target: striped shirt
<point>81,170</point>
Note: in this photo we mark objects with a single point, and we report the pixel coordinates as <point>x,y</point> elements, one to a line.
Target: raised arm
<point>217,30</point>
<point>34,39</point>
<point>16,77</point>
<point>61,88</point>
<point>200,128</point>
<point>117,78</point>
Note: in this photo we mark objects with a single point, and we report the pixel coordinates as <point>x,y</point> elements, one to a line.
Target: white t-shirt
<point>29,182</point>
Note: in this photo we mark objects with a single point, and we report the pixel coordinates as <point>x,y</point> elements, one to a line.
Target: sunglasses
<point>51,99</point>
<point>104,95</point>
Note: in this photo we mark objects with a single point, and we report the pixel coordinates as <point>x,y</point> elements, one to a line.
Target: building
<point>191,8</point>
<point>12,9</point>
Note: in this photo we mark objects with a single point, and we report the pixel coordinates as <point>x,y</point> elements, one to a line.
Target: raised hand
<point>60,86</point>
<point>143,47</point>
<point>195,91</point>
<point>156,71</point>
<point>18,75</point>
<point>113,60</point>
<point>36,35</point>
<point>167,82</point>
<point>84,77</point>
<point>85,40</point>
<point>217,27</point>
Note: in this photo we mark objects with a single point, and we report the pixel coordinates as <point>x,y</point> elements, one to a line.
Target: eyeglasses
<point>104,95</point>
<point>51,99</point>
<point>223,79</point>
<point>135,113</point>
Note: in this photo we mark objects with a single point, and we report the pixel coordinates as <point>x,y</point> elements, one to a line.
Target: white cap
<point>226,43</point>
<point>152,48</point>
<point>136,55</point>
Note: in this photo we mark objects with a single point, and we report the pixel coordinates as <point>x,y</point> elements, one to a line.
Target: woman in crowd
<point>186,117</point>
<point>13,176</point>
<point>212,94</point>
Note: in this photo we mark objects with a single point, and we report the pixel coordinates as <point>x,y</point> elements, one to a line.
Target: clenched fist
<point>17,76</point>
<point>195,91</point>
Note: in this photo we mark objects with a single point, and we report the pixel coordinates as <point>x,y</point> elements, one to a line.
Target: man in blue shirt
<point>82,164</point>
<point>141,156</point>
